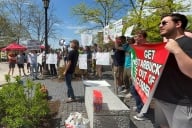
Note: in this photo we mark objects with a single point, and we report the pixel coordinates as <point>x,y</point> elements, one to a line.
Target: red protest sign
<point>148,61</point>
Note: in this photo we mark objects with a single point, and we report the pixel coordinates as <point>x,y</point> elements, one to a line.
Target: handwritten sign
<point>102,58</point>
<point>82,61</point>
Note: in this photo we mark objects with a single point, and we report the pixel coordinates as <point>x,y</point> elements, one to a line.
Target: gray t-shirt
<point>20,59</point>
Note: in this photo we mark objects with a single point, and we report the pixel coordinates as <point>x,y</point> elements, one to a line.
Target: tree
<point>146,15</point>
<point>6,32</point>
<point>18,14</point>
<point>101,13</point>
<point>27,19</point>
<point>37,23</point>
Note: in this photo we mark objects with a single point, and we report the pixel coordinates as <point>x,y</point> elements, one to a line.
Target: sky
<point>69,27</point>
<point>68,30</point>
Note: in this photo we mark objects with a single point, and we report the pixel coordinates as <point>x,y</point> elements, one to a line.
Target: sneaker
<point>70,100</point>
<point>128,96</point>
<point>124,91</point>
<point>120,88</point>
<point>135,109</point>
<point>139,117</point>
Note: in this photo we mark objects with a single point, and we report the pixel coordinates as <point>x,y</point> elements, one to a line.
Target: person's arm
<point>183,60</point>
<point>116,44</point>
<point>67,67</point>
<point>68,63</point>
<point>9,57</point>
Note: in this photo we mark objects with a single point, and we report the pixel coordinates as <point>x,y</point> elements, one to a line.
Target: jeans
<point>34,70</point>
<point>139,103</point>
<point>70,92</point>
<point>53,70</point>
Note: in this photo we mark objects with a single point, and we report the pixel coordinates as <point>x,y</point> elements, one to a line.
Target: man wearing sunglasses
<point>174,91</point>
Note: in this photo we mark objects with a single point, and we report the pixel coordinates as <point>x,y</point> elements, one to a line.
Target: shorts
<point>173,115</point>
<point>127,77</point>
<point>118,71</point>
<point>11,65</point>
<point>28,65</point>
<point>20,65</point>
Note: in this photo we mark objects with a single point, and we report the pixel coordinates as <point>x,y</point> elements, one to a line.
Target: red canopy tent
<point>14,47</point>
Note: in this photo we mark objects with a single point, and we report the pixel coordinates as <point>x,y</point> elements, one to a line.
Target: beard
<point>168,33</point>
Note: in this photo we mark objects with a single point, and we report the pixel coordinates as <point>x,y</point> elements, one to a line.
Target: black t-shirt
<point>119,57</point>
<point>73,57</point>
<point>175,87</point>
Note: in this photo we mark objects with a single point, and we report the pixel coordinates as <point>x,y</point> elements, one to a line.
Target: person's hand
<point>172,46</point>
<point>64,73</point>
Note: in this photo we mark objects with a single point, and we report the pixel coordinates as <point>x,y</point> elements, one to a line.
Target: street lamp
<point>46,6</point>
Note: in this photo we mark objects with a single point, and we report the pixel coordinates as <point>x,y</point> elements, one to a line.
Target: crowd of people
<point>173,97</point>
<point>33,61</point>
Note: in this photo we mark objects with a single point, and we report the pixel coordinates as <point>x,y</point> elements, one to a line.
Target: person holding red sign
<point>140,38</point>
<point>184,61</point>
<point>173,94</point>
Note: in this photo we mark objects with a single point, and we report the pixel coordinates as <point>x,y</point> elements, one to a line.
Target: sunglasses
<point>163,23</point>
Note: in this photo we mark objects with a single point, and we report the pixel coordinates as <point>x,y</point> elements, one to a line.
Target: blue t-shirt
<point>127,50</point>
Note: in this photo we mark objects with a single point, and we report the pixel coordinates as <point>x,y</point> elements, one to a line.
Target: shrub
<point>22,106</point>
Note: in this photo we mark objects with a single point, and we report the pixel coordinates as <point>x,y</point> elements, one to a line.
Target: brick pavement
<point>58,91</point>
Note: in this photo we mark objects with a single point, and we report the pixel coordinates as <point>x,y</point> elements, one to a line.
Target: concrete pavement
<point>4,68</point>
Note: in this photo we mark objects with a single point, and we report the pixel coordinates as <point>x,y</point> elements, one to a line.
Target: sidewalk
<point>4,68</point>
<point>58,93</point>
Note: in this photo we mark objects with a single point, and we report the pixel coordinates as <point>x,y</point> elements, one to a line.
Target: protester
<point>98,65</point>
<point>20,62</point>
<point>127,65</point>
<point>183,60</point>
<point>173,94</point>
<point>32,58</point>
<point>140,38</point>
<point>53,70</point>
<point>94,58</point>
<point>40,62</point>
<point>65,54</point>
<point>112,52</point>
<point>119,60</point>
<point>89,58</point>
<point>12,62</point>
<point>59,57</point>
<point>72,59</point>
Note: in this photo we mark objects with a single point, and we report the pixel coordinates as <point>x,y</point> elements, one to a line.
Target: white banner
<point>113,30</point>
<point>39,58</point>
<point>86,39</point>
<point>129,31</point>
<point>102,58</point>
<point>82,61</point>
<point>51,58</point>
<point>106,34</point>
